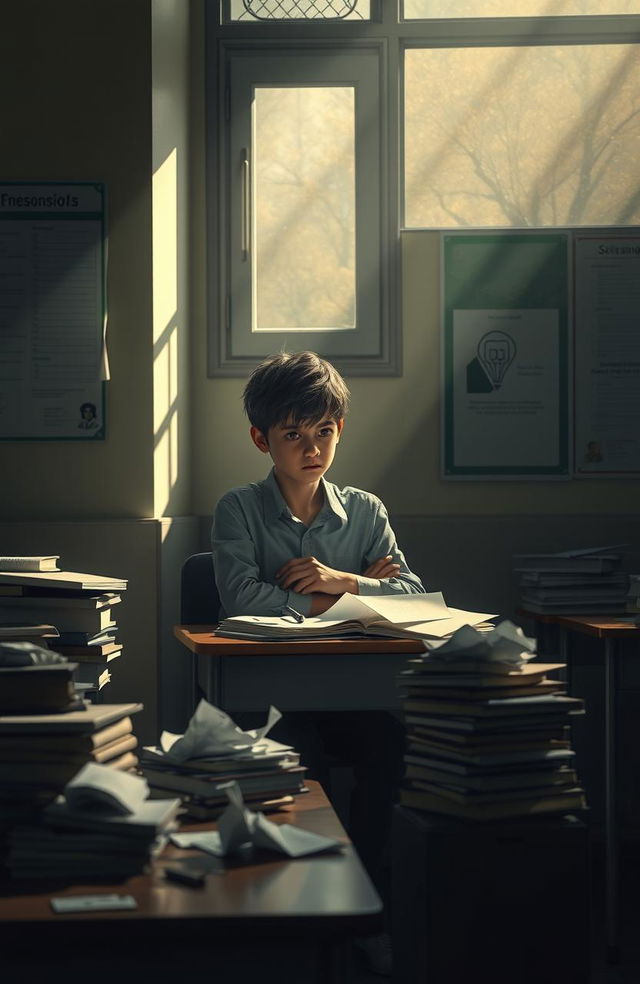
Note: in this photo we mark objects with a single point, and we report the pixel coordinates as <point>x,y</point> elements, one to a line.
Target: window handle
<point>245,218</point>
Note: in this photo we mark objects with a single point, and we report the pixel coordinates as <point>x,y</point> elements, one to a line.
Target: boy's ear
<point>259,439</point>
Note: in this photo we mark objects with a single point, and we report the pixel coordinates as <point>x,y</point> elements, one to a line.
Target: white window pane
<point>425,9</point>
<point>304,208</point>
<point>258,10</point>
<point>524,136</point>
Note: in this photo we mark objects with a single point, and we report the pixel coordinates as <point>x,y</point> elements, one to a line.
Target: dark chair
<point>199,603</point>
<point>199,598</point>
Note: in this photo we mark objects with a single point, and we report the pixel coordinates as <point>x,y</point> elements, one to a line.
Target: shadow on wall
<point>470,558</point>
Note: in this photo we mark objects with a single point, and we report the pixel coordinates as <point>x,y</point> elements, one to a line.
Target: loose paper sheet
<point>238,826</point>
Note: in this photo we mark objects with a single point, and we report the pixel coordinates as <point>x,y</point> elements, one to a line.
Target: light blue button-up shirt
<point>254,533</point>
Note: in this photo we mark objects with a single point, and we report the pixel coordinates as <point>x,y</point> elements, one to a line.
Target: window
<point>305,177</point>
<point>527,136</point>
<point>335,122</point>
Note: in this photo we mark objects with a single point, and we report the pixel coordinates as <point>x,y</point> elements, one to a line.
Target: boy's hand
<point>383,567</point>
<point>307,575</point>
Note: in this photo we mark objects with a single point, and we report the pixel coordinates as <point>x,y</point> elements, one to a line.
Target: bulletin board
<point>52,311</point>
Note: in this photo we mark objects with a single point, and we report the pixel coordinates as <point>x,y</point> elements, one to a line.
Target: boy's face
<point>302,453</point>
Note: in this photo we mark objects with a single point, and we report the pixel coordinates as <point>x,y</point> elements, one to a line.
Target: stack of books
<point>633,595</point>
<point>40,752</point>
<point>487,738</point>
<point>269,776</point>
<point>104,826</point>
<point>33,680</point>
<point>76,609</point>
<point>573,582</point>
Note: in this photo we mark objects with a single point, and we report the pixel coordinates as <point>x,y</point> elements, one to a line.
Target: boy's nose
<point>312,449</point>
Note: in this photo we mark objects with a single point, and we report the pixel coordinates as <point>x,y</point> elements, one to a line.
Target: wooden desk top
<point>200,639</point>
<point>601,626</point>
<point>270,893</point>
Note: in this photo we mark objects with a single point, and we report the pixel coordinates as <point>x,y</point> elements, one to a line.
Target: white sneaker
<point>377,953</point>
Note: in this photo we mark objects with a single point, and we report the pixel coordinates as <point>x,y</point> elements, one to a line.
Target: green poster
<point>505,355</point>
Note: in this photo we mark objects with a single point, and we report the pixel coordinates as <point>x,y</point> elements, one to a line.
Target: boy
<point>296,540</point>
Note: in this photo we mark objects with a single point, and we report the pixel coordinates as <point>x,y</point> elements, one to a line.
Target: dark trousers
<point>372,744</point>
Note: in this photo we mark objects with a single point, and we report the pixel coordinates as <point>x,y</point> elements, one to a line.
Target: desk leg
<point>194,683</point>
<point>565,674</point>
<point>331,962</point>
<point>610,834</point>
<point>214,680</point>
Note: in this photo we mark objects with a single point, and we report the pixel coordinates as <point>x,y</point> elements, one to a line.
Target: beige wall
<point>76,84</point>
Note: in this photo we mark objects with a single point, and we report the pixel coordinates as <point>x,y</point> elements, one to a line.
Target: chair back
<point>199,598</point>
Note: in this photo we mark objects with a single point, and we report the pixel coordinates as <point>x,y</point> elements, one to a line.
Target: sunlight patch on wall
<point>165,330</point>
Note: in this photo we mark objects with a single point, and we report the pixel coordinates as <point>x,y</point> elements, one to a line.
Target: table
<point>610,630</point>
<point>298,675</point>
<point>264,920</point>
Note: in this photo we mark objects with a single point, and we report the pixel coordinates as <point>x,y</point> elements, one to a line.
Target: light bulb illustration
<point>496,351</point>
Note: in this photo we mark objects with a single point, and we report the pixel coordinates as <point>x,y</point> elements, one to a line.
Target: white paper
<point>238,826</point>
<point>443,627</point>
<point>399,609</point>
<point>212,732</point>
<point>515,423</point>
<point>117,792</point>
<point>507,643</point>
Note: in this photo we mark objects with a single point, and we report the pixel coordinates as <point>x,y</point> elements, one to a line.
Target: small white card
<point>93,903</point>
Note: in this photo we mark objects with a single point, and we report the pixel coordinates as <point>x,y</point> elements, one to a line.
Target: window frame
<point>393,36</point>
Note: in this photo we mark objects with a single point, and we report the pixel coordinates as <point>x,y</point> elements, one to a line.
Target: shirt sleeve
<point>237,571</point>
<point>382,542</point>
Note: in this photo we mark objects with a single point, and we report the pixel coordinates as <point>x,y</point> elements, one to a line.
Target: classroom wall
<point>76,78</point>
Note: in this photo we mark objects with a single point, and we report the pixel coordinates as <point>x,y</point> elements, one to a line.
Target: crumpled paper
<point>239,826</point>
<point>507,643</point>
<point>212,732</point>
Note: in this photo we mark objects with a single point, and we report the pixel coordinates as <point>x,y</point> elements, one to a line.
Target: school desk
<point>265,919</point>
<point>610,630</point>
<point>300,675</point>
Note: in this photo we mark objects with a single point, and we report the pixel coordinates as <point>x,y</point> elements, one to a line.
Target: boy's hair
<point>296,387</point>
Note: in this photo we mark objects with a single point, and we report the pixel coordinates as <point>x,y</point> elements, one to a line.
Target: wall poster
<point>505,355</point>
<point>52,311</point>
<point>607,353</point>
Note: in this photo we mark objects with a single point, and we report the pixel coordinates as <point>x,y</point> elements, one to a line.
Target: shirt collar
<point>275,505</point>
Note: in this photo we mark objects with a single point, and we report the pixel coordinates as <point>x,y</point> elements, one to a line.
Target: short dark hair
<point>298,387</point>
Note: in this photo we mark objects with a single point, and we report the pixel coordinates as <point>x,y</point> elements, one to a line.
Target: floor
<point>627,969</point>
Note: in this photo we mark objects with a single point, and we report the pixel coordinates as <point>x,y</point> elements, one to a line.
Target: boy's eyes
<point>295,435</point>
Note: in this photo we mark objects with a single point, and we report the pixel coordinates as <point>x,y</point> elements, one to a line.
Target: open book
<point>414,616</point>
